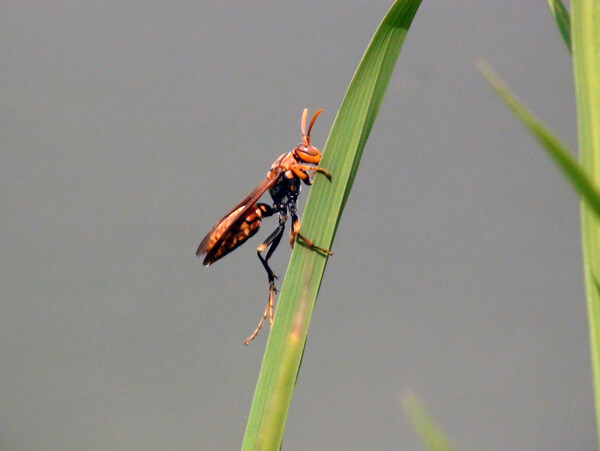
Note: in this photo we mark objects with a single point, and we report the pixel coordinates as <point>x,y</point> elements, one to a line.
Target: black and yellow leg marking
<point>271,242</point>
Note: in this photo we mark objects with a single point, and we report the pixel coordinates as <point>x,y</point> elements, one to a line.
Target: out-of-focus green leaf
<point>558,151</point>
<point>563,20</point>
<point>432,436</point>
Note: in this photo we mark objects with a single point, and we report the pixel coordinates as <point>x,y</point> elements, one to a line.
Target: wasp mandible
<point>283,182</point>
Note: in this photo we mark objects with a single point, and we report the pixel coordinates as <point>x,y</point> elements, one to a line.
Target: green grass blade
<point>325,203</point>
<point>432,436</point>
<point>275,412</point>
<point>563,20</point>
<point>596,285</point>
<point>585,21</point>
<point>558,151</point>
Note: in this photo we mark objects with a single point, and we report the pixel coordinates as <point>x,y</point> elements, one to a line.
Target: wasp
<point>283,182</point>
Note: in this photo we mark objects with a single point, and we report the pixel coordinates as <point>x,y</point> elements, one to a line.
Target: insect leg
<point>301,171</point>
<point>295,232</point>
<point>271,242</point>
<point>268,309</point>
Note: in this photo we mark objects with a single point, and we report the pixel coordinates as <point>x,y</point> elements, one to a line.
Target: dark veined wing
<point>227,226</point>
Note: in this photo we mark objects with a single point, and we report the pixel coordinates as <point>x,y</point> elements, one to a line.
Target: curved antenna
<point>303,123</point>
<point>312,122</point>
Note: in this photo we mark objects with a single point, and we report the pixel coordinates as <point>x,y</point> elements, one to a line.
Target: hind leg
<point>271,242</point>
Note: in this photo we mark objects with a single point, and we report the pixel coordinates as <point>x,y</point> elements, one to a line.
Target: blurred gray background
<point>129,128</point>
